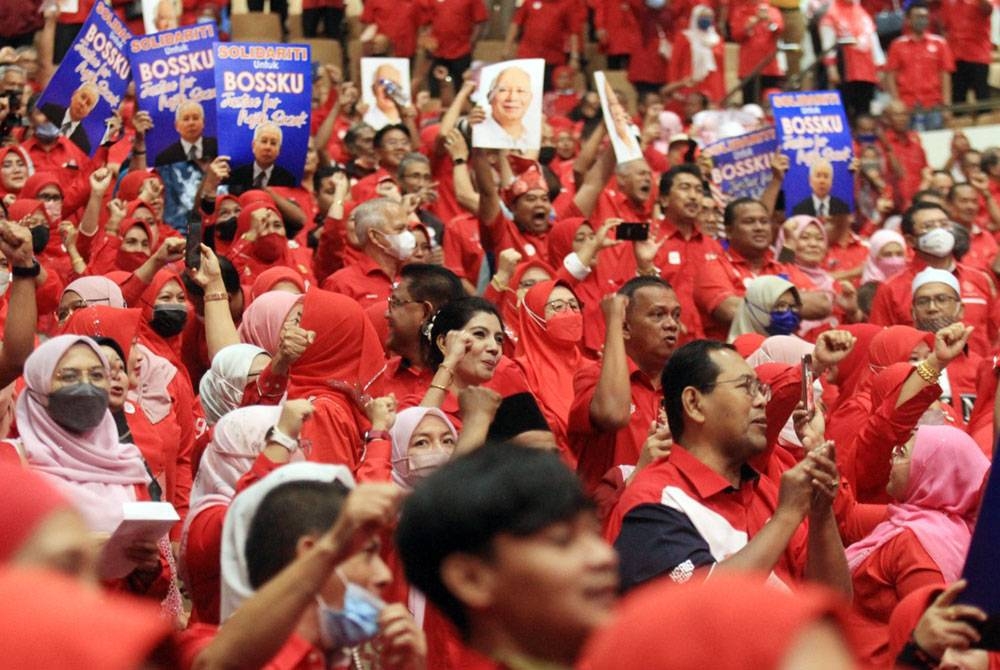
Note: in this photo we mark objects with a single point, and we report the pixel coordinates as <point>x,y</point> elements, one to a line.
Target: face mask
<point>656,4</point>
<point>47,132</point>
<point>866,138</point>
<point>565,327</point>
<point>704,22</point>
<point>78,407</point>
<point>938,242</point>
<point>401,245</point>
<point>919,25</point>
<point>129,261</point>
<point>4,281</point>
<point>269,247</point>
<point>169,320</point>
<point>890,266</point>
<point>226,229</point>
<point>935,324</point>
<point>356,623</point>
<point>546,155</point>
<point>783,323</point>
<point>40,238</point>
<point>421,464</point>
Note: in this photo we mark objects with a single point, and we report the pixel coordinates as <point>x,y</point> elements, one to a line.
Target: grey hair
<point>259,130</point>
<point>195,103</point>
<point>4,69</point>
<point>369,215</point>
<point>623,168</point>
<point>409,159</point>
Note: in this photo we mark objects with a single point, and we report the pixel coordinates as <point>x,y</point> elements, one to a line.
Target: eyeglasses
<point>49,197</point>
<point>64,312</point>
<point>899,452</point>
<point>559,306</point>
<point>73,376</point>
<point>782,307</point>
<point>396,303</point>
<point>924,302</point>
<point>749,385</point>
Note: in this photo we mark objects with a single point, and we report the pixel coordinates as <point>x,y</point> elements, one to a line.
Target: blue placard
<point>89,85</point>
<point>813,132</point>
<point>980,568</point>
<point>175,82</point>
<point>741,165</point>
<point>260,88</point>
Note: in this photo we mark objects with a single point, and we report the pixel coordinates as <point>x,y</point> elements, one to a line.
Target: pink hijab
<point>93,469</point>
<point>97,290</point>
<point>873,271</point>
<point>263,319</point>
<point>820,278</point>
<point>407,421</point>
<point>942,495</point>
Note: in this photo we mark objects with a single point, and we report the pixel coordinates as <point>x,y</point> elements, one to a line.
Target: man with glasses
<point>928,231</point>
<point>705,508</point>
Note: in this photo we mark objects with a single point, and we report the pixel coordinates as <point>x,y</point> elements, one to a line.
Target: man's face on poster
<point>382,99</point>
<point>511,96</point>
<point>190,122</point>
<point>267,146</point>
<point>166,15</point>
<point>821,179</point>
<point>82,102</point>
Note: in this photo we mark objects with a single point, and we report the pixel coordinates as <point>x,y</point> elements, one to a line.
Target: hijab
<point>940,501</point>
<point>873,268</point>
<point>40,180</point>
<point>4,190</point>
<point>703,43</point>
<point>97,289</point>
<point>167,347</point>
<point>269,278</point>
<point>821,279</point>
<point>894,345</point>
<point>222,386</point>
<point>401,432</point>
<point>549,366</point>
<point>235,573</point>
<point>263,319</point>
<point>27,500</point>
<point>853,369</point>
<point>93,469</point>
<point>561,237</point>
<point>754,313</point>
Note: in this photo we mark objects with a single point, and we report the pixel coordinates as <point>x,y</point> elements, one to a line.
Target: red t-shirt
<point>543,23</point>
<point>909,151</point>
<point>365,281</point>
<point>452,22</point>
<point>967,27</point>
<point>680,67</point>
<point>842,257</point>
<point>758,41</point>
<point>296,654</point>
<point>619,22</point>
<point>396,19</point>
<point>917,64</point>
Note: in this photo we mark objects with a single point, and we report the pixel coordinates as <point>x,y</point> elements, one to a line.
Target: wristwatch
<point>275,435</point>
<point>377,435</point>
<point>19,272</point>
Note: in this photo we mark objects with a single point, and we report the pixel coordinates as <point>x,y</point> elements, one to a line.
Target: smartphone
<point>192,249</point>
<point>808,394</point>
<point>633,231</point>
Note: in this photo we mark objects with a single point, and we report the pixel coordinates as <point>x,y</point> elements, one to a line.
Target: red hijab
<point>4,190</point>
<point>269,278</point>
<point>131,184</point>
<point>548,365</point>
<point>169,348</point>
<point>853,370</point>
<point>894,345</point>
<point>561,237</point>
<point>27,500</point>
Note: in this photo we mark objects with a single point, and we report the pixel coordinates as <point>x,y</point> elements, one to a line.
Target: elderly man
<point>385,110</point>
<point>380,227</point>
<point>189,121</point>
<point>69,119</point>
<point>705,509</point>
<point>509,98</point>
<point>928,232</point>
<point>820,202</point>
<point>263,171</point>
<point>615,402</point>
<point>964,204</point>
<point>937,304</point>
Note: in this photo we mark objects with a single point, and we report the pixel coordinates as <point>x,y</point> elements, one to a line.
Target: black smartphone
<point>192,250</point>
<point>633,231</point>
<point>808,393</point>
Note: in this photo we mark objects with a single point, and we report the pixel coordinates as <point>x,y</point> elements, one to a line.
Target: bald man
<point>821,202</point>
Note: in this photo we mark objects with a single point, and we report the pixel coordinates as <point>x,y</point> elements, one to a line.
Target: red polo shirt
<point>296,654</point>
<point>463,251</point>
<point>982,249</point>
<point>841,257</point>
<point>966,25</point>
<point>728,276</point>
<point>679,516</point>
<point>893,303</point>
<point>616,19</point>
<point>400,378</point>
<point>452,22</point>
<point>364,280</point>
<point>396,19</point>
<point>596,451</point>
<point>918,63</point>
<point>612,203</point>
<point>544,26</point>
<point>504,234</point>
<point>758,41</point>
<point>908,150</point>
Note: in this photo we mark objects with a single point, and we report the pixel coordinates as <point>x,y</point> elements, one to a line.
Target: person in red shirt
<point>705,508</point>
<point>719,286</point>
<point>919,70</point>
<point>632,200</point>
<point>964,207</point>
<point>419,293</point>
<point>927,232</point>
<point>853,54</point>
<point>386,243</point>
<point>618,31</point>
<point>697,61</point>
<point>967,27</point>
<point>538,28</point>
<point>907,159</point>
<point>615,402</point>
<point>454,28</point>
<point>397,21</point>
<point>756,27</point>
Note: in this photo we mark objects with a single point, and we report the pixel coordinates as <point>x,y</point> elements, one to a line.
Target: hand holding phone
<point>632,230</point>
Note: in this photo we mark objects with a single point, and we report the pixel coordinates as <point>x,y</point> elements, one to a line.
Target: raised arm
<point>22,310</point>
<point>609,408</point>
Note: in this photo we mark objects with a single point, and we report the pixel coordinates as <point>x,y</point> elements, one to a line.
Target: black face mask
<point>292,229</point>
<point>169,320</point>
<point>226,229</point>
<point>78,407</point>
<point>40,238</point>
<point>546,155</point>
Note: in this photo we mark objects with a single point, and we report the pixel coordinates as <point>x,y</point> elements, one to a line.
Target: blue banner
<point>264,98</point>
<point>741,166</point>
<point>175,82</point>
<point>88,87</point>
<point>813,132</point>
<point>980,568</point>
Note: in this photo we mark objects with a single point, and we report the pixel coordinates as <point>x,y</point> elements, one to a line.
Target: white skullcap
<point>933,275</point>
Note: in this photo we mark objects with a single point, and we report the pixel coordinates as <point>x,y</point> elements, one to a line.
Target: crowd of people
<point>422,408</point>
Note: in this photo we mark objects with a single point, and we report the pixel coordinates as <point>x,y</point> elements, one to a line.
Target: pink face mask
<point>565,327</point>
<point>891,265</point>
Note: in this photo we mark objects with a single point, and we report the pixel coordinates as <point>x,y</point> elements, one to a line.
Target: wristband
<point>19,272</point>
<point>275,435</point>
<point>373,435</point>
<point>211,297</point>
<point>458,161</point>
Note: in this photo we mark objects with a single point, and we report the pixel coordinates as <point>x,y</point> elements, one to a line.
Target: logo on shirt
<point>683,572</point>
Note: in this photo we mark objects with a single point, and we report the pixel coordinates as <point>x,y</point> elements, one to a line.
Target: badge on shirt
<point>674,258</point>
<point>529,249</point>
<point>536,5</point>
<point>129,407</point>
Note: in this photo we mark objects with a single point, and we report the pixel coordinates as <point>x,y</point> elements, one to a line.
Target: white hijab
<point>702,44</point>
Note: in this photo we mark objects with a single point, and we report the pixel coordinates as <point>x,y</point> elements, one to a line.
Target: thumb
<point>949,595</point>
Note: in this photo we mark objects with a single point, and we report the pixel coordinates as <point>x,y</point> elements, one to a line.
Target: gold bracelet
<point>439,387</point>
<point>928,373</point>
<point>451,375</point>
<point>211,297</point>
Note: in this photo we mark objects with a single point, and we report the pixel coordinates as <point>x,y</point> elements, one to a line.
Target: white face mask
<point>401,245</point>
<point>938,242</point>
